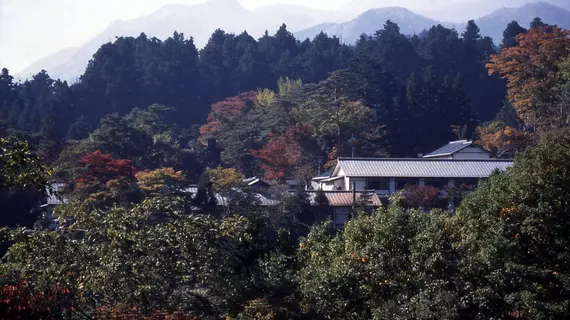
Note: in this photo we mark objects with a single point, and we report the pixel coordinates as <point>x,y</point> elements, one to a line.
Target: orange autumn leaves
<point>500,140</point>
<point>103,177</point>
<point>532,71</point>
<point>161,180</point>
<point>280,155</point>
<point>226,111</point>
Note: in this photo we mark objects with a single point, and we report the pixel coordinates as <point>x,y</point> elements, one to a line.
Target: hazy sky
<point>32,29</point>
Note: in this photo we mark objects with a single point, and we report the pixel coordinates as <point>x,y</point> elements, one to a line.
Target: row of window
<point>402,183</point>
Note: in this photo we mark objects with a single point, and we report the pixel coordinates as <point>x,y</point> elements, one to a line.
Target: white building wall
<point>471,153</point>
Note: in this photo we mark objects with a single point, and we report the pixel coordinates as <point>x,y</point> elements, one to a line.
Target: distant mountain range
<point>446,10</point>
<point>199,21</point>
<point>369,22</point>
<point>491,25</point>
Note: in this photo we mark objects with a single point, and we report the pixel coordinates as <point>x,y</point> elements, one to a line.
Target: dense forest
<point>137,72</point>
<point>389,95</point>
<point>149,119</point>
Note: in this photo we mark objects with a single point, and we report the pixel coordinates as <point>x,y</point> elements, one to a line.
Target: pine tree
<point>509,35</point>
<point>50,138</point>
<point>417,119</point>
<point>79,129</point>
<point>205,197</point>
<point>537,23</point>
<point>471,34</point>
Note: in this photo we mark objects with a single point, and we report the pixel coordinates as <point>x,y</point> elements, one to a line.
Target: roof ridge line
<point>425,159</point>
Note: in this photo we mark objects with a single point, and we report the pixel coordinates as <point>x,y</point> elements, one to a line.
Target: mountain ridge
<point>195,21</point>
<point>491,25</point>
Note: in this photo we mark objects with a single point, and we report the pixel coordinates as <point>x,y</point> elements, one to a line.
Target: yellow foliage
<point>158,180</point>
<point>224,179</point>
<point>265,98</point>
<point>501,140</point>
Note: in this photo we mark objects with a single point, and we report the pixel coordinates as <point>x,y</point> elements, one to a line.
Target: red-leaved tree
<point>101,175</point>
<point>532,72</point>
<point>280,155</point>
<point>226,111</point>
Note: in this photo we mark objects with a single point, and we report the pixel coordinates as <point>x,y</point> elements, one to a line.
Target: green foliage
<point>20,167</point>
<point>24,181</point>
<point>502,256</point>
<point>117,257</point>
<point>514,231</point>
<point>395,264</point>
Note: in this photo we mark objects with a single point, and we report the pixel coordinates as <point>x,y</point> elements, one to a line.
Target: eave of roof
<point>346,198</point>
<point>332,179</point>
<point>450,148</point>
<point>421,167</point>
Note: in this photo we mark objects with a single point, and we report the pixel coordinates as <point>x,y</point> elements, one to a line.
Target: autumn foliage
<point>224,179</point>
<point>102,174</point>
<point>162,180</point>
<point>502,141</point>
<point>128,313</point>
<point>418,196</point>
<point>226,111</point>
<point>279,156</point>
<point>20,301</point>
<point>532,73</point>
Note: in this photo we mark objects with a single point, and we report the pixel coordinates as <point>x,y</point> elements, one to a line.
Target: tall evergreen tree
<point>50,137</point>
<point>537,23</point>
<point>511,32</point>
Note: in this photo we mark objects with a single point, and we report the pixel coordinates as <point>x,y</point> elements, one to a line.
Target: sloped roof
<point>345,198</point>
<point>260,198</point>
<point>420,167</point>
<point>52,199</point>
<point>450,148</point>
<point>254,180</point>
<point>323,175</point>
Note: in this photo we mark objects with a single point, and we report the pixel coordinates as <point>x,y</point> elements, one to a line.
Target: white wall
<point>471,153</point>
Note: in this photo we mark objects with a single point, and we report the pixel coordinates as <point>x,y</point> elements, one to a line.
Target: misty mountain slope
<point>371,21</point>
<point>298,17</point>
<point>446,10</point>
<point>491,25</point>
<point>198,21</point>
<point>54,59</point>
<point>494,24</point>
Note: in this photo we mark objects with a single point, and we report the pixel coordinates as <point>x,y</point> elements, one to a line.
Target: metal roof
<point>332,179</point>
<point>420,167</point>
<point>450,148</point>
<point>253,180</point>
<point>261,199</point>
<point>52,198</point>
<point>345,198</point>
<point>323,175</point>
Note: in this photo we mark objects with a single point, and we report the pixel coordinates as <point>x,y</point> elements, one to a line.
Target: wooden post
<point>353,211</point>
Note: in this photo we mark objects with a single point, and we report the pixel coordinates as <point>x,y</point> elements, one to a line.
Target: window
<point>378,184</point>
<point>341,216</point>
<point>466,182</point>
<point>439,183</point>
<point>402,183</point>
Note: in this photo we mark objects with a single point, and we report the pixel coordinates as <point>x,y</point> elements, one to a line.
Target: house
<point>53,199</point>
<point>343,202</point>
<point>457,150</point>
<point>256,184</point>
<point>457,163</point>
<point>315,182</point>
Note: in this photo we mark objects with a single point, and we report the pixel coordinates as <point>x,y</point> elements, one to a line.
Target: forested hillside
<point>156,219</point>
<point>138,72</point>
